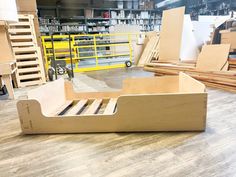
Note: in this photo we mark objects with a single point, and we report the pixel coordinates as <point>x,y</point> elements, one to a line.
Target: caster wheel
<point>50,74</point>
<point>69,72</point>
<point>60,71</point>
<point>4,90</point>
<point>128,64</point>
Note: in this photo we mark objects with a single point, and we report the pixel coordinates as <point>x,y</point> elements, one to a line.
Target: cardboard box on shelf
<point>149,5</point>
<point>88,13</point>
<point>26,5</point>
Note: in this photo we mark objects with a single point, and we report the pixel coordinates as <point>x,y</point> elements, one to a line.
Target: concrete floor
<point>209,153</point>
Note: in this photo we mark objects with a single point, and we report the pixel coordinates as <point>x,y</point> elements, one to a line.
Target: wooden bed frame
<point>170,103</point>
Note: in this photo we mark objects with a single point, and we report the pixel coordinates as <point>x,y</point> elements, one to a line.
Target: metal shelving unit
<point>56,23</point>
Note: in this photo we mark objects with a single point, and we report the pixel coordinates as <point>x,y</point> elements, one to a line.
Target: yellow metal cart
<point>88,52</point>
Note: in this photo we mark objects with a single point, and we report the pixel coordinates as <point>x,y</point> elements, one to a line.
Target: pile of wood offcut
<point>211,66</point>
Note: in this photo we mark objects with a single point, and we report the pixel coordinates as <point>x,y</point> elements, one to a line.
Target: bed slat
<point>93,108</point>
<point>77,108</point>
<point>63,107</point>
<point>110,108</point>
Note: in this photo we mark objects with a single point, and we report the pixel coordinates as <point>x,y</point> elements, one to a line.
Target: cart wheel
<point>4,90</point>
<point>69,72</point>
<point>50,74</point>
<point>128,64</point>
<point>60,71</point>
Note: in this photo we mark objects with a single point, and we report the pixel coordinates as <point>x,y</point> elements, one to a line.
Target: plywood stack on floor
<point>211,68</point>
<point>30,70</point>
<point>232,64</point>
<point>151,50</point>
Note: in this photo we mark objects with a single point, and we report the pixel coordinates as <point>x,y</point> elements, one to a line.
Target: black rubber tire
<point>50,74</point>
<point>4,90</point>
<point>69,72</point>
<point>128,64</point>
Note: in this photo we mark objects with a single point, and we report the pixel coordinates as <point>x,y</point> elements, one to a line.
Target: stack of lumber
<point>211,68</point>
<point>30,70</point>
<point>232,64</point>
<point>150,51</point>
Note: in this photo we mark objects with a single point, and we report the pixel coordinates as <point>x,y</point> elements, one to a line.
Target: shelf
<point>98,31</point>
<point>98,18</point>
<point>95,21</point>
<point>100,25</point>
<point>71,18</point>
<point>62,32</point>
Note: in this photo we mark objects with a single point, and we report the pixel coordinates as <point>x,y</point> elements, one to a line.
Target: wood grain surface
<point>207,154</point>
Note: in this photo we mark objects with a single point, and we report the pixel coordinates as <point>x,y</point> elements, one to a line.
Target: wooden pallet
<point>30,70</point>
<point>172,103</point>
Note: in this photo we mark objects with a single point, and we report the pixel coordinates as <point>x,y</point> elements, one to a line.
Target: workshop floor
<point>178,154</point>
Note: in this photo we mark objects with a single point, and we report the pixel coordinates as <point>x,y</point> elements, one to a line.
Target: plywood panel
<point>93,108</point>
<point>171,34</point>
<point>78,107</point>
<point>213,57</point>
<point>111,106</point>
<point>189,47</point>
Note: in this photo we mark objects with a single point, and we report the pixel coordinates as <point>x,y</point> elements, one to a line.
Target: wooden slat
<point>30,76</point>
<point>20,30</point>
<point>63,107</point>
<point>93,108</point>
<point>24,49</point>
<point>22,44</point>
<point>77,108</point>
<point>110,108</point>
<point>30,83</point>
<point>27,70</point>
<point>27,63</point>
<point>26,56</point>
<point>21,37</point>
<point>25,16</point>
<point>20,24</point>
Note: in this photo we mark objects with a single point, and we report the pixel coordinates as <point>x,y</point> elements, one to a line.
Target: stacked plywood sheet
<point>30,70</point>
<point>211,67</point>
<point>232,64</point>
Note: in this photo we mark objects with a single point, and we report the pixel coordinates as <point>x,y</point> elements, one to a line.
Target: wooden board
<point>171,34</point>
<point>6,70</point>
<point>213,57</point>
<point>110,108</point>
<point>151,51</point>
<point>223,79</point>
<point>78,107</point>
<point>175,111</point>
<point>93,108</point>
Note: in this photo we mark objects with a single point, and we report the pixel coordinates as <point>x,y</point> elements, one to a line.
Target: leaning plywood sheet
<point>213,57</point>
<point>144,104</point>
<point>189,47</point>
<point>171,34</point>
<point>150,52</point>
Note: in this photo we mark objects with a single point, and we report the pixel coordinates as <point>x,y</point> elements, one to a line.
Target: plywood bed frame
<point>169,103</point>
